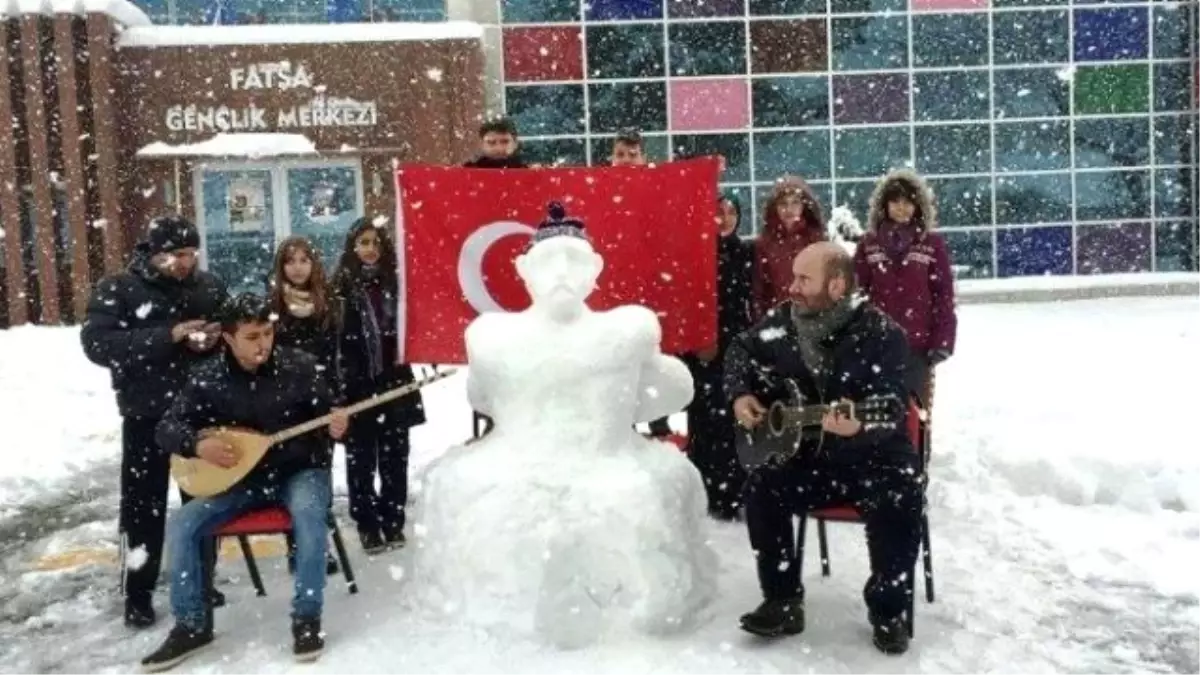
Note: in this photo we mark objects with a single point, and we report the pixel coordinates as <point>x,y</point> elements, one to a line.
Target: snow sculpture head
<point>560,267</point>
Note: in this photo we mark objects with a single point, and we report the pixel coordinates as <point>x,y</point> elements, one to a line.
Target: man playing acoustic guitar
<point>253,385</point>
<point>834,346</point>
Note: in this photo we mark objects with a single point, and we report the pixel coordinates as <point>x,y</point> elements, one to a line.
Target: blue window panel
<point>1111,34</point>
<point>1034,251</point>
<point>616,10</point>
<point>344,11</point>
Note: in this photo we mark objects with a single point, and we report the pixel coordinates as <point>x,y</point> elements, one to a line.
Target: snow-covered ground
<point>1065,514</point>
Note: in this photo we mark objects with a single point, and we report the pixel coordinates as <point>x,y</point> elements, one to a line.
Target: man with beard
<point>148,325</point>
<point>835,346</point>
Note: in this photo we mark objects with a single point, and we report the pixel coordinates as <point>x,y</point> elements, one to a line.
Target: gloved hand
<point>936,356</point>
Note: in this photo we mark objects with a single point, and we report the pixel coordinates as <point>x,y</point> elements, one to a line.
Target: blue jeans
<point>306,496</point>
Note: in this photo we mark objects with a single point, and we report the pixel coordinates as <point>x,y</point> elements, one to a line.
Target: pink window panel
<point>710,105</point>
<point>942,5</point>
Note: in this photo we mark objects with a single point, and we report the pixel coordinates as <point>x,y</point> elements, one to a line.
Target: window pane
<point>1171,23</point>
<point>641,105</point>
<point>616,10</point>
<point>323,203</point>
<point>1031,92</point>
<point>970,254</point>
<point>1112,90</point>
<point>708,48</point>
<point>1175,247</point>
<point>961,95</point>
<point>1111,34</point>
<point>965,148</point>
<point>1043,198</point>
<point>1173,193</point>
<point>625,51</point>
<point>786,8</point>
<point>408,10</point>
<point>1031,37</point>
<point>656,149</point>
<point>1027,3</point>
<point>789,46</point>
<point>869,153</point>
<point>555,152</point>
<point>239,227</point>
<point>1101,142</point>
<point>1112,195</point>
<point>1173,138</point>
<point>870,43</point>
<point>863,99</point>
<point>735,148</point>
<point>950,40</point>
<point>1033,146</point>
<point>1034,251</point>
<point>790,101</point>
<point>546,110</point>
<point>866,6</point>
<point>804,153</point>
<point>1173,86</point>
<point>1113,249</point>
<point>963,202</point>
<point>538,11</point>
<point>692,9</point>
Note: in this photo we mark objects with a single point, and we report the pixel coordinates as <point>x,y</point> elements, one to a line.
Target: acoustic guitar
<point>792,425</point>
<point>201,478</point>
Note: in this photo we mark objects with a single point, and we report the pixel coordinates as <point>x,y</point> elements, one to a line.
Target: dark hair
<point>631,137</point>
<point>841,264</point>
<point>245,308</point>
<point>499,125</point>
<point>349,266</point>
<point>317,285</point>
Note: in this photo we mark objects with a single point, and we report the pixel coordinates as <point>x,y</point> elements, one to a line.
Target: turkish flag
<point>460,230</point>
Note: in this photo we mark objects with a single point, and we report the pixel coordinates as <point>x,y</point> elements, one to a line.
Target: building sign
<point>319,110</point>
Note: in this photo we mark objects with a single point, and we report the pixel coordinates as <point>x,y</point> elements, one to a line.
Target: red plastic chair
<point>276,520</point>
<point>679,440</point>
<point>918,431</point>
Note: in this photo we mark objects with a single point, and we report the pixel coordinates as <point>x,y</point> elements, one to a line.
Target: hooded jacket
<point>776,248</point>
<point>905,268</point>
<point>128,331</point>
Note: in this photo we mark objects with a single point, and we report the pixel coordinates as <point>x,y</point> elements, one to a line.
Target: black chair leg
<point>209,582</point>
<point>911,588</point>
<point>927,558</point>
<point>252,565</point>
<point>823,544</point>
<point>344,559</point>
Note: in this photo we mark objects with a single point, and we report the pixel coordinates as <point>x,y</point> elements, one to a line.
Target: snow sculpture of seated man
<point>564,522</point>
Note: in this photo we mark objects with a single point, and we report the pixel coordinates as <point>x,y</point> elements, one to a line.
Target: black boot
<point>331,565</point>
<point>891,636</point>
<point>139,613</point>
<point>372,542</point>
<point>774,618</point>
<point>308,642</point>
<point>216,599</point>
<point>181,643</point>
<point>394,537</point>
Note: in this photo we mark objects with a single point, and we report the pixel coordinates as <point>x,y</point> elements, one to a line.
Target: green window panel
<point>1114,89</point>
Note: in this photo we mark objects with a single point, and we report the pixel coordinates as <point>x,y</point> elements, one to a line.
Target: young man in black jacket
<point>834,346</point>
<point>252,385</point>
<point>147,326</point>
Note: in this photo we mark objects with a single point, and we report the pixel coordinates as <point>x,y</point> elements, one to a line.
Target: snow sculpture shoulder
<point>564,521</point>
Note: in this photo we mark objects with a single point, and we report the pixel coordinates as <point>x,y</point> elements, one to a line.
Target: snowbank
<point>121,11</point>
<point>275,34</point>
<point>235,145</point>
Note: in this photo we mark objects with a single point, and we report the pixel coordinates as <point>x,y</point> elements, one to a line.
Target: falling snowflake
<point>434,74</point>
<point>144,310</point>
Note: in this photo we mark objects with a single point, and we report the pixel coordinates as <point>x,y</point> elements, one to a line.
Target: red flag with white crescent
<point>461,229</point>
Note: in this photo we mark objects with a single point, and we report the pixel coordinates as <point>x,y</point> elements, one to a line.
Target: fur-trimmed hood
<point>908,182</point>
<point>813,225</point>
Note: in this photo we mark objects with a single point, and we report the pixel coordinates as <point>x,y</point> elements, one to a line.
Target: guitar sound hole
<point>775,421</point>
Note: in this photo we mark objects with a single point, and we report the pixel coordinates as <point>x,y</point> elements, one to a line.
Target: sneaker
<point>775,618</point>
<point>139,614</point>
<point>331,565</point>
<point>372,542</point>
<point>181,643</point>
<point>891,636</point>
<point>308,643</point>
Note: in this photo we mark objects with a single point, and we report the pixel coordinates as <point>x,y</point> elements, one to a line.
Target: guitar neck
<point>810,415</point>
<point>365,404</point>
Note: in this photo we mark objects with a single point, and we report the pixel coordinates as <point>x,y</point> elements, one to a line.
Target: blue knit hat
<point>557,224</point>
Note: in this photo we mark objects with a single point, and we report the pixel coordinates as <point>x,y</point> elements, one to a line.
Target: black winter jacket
<point>869,360</point>
<point>735,292</point>
<point>285,391</point>
<point>128,330</point>
<point>311,335</point>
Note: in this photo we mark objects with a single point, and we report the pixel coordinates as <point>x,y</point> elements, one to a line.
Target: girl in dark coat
<point>709,416</point>
<point>366,298</point>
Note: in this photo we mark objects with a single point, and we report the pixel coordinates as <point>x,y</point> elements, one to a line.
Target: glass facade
<point>1060,137</point>
<point>194,12</point>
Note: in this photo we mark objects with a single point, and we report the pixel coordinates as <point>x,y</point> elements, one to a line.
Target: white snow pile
<point>843,227</point>
<point>252,145</point>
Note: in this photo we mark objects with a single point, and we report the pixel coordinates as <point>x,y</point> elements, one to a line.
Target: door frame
<point>277,170</point>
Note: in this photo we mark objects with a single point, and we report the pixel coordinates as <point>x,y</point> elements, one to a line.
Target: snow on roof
<point>121,11</point>
<point>235,145</point>
<point>256,34</point>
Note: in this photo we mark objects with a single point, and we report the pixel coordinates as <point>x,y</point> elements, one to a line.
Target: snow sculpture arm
<point>665,385</point>
<point>478,394</point>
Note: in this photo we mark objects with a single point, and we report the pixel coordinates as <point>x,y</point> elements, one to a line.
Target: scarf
<point>897,239</point>
<point>299,303</point>
<point>813,328</point>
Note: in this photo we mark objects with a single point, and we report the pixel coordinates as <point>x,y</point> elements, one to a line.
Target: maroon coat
<point>905,269</point>
<point>776,248</point>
